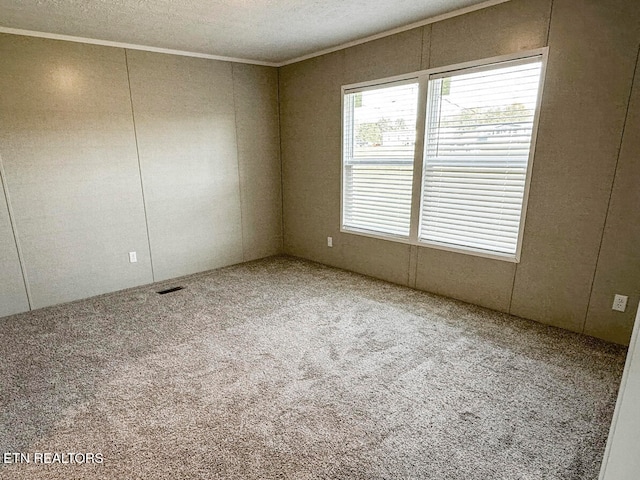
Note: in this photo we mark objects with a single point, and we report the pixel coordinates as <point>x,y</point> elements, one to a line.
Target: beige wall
<point>255,91</point>
<point>98,142</point>
<point>593,50</point>
<point>619,260</point>
<point>185,126</point>
<point>68,149</point>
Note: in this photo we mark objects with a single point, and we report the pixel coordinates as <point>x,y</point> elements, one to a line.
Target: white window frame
<point>422,77</point>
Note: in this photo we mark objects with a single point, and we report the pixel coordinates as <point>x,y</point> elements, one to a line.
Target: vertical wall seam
<point>282,229</point>
<point>430,45</point>
<point>613,183</point>
<point>14,231</point>
<point>513,287</point>
<point>235,126</point>
<point>515,270</point>
<point>415,267</point>
<point>412,273</point>
<point>549,25</point>
<point>422,67</point>
<point>135,135</point>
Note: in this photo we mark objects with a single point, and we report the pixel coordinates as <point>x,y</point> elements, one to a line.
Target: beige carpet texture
<point>287,369</point>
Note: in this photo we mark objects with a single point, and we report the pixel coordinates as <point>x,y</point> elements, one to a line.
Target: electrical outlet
<point>133,257</point>
<point>620,303</point>
<point>329,241</point>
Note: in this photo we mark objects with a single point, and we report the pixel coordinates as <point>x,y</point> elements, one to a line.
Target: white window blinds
<point>442,157</point>
<point>479,128</point>
<point>379,141</point>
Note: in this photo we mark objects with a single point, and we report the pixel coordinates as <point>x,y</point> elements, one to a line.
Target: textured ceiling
<point>263,30</point>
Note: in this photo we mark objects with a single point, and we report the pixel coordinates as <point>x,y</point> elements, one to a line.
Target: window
<point>379,144</point>
<point>443,157</point>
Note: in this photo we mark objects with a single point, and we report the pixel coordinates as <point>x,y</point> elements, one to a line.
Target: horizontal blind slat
<point>470,242</point>
<point>489,213</point>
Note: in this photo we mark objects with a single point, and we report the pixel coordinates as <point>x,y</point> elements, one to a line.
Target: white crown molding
<point>131,46</point>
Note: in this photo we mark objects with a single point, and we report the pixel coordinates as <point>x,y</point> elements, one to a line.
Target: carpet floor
<point>286,369</point>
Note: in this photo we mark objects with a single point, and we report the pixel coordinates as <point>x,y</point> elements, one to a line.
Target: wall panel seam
<point>282,182</point>
<point>412,275</point>
<point>235,126</point>
<point>613,183</point>
<point>14,231</point>
<point>549,23</point>
<point>422,47</point>
<point>135,135</point>
<point>513,287</point>
<point>430,46</point>
<point>280,161</point>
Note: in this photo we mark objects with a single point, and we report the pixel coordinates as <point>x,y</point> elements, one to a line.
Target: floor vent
<point>170,290</point>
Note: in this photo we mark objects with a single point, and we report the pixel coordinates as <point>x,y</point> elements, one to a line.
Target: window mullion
<point>418,158</point>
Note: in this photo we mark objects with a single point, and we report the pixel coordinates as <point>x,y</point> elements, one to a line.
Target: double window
<point>443,157</point>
